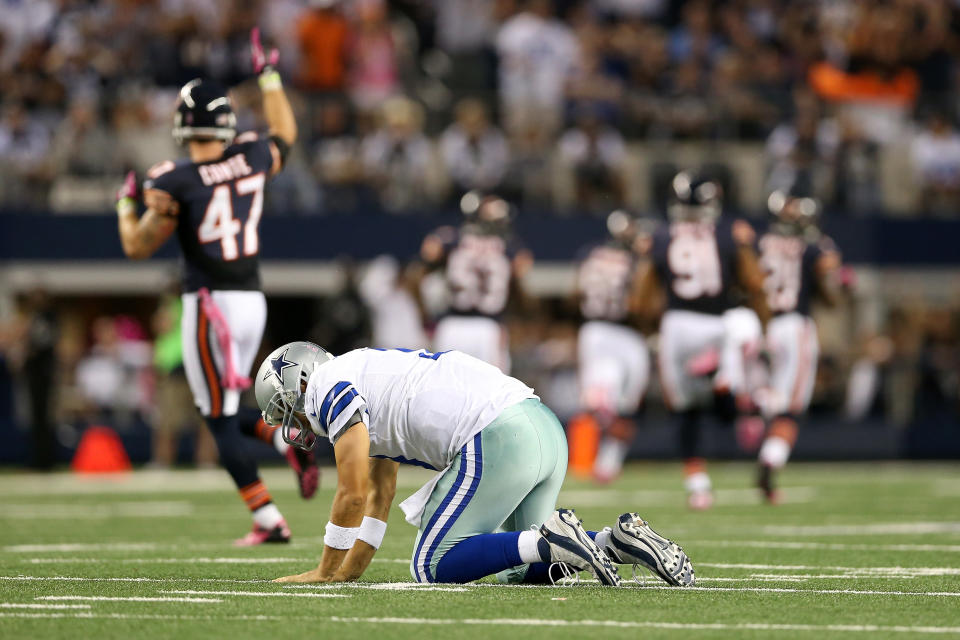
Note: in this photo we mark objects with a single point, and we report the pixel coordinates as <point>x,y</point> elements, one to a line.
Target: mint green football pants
<point>506,478</point>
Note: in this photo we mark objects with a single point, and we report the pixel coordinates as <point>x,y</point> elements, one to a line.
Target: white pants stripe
<point>460,493</point>
<point>246,315</point>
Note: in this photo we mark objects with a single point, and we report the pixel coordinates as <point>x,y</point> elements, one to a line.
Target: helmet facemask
<point>281,387</point>
<point>282,410</point>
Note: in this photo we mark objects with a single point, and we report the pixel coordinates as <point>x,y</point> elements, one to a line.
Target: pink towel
<point>231,379</point>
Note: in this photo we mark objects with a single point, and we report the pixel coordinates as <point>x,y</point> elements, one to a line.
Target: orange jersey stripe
<point>209,368</point>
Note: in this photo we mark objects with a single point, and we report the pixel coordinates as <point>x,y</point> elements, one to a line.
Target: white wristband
<point>372,531</point>
<point>340,537</point>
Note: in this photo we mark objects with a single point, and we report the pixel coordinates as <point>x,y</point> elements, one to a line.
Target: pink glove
<point>127,194</point>
<point>261,60</point>
<point>129,188</point>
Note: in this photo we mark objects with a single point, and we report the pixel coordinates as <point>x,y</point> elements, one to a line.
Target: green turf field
<point>865,550</point>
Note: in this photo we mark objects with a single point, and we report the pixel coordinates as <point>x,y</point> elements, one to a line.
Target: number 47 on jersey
<point>220,222</point>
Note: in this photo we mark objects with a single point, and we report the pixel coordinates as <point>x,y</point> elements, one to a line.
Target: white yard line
<point>279,479</point>
<point>124,579</point>
<point>187,560</point>
<point>661,497</point>
<point>144,616</point>
<point>41,605</point>
<point>629,624</point>
<point>386,586</point>
<point>507,622</point>
<point>73,511</point>
<point>918,571</point>
<point>255,594</point>
<point>73,560</point>
<point>822,546</point>
<point>66,548</point>
<point>880,528</point>
<point>869,592</point>
<point>131,599</point>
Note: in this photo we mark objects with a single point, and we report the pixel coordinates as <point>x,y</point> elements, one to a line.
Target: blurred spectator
<point>592,84</point>
<point>24,163</point>
<point>464,31</point>
<point>803,151</point>
<point>537,53</point>
<point>395,318</point>
<point>595,153</point>
<point>30,344</point>
<point>475,153</point>
<point>397,156</point>
<point>935,155</point>
<point>82,146</point>
<point>694,38</point>
<point>374,75</point>
<point>111,376</point>
<point>173,409</point>
<point>336,159</point>
<point>323,36</point>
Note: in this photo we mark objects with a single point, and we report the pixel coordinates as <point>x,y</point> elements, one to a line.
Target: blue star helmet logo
<point>277,365</point>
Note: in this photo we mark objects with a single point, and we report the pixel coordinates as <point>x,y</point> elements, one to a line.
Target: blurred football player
<point>482,267</point>
<point>213,201</point>
<point>799,263</point>
<point>614,362</point>
<point>703,264</point>
<point>500,454</point>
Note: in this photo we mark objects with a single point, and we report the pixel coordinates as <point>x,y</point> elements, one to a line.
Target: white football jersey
<point>420,407</point>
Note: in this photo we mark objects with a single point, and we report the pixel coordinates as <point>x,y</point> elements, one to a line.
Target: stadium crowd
<point>405,104</point>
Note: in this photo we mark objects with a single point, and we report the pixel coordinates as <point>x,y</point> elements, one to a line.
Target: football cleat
<point>700,500</point>
<point>304,464</point>
<point>632,541</point>
<point>261,535</point>
<point>765,483</point>
<point>564,541</point>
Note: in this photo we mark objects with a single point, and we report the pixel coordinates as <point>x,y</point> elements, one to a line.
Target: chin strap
<point>231,379</point>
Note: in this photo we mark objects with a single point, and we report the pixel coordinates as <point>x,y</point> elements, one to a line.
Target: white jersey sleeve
<point>331,412</point>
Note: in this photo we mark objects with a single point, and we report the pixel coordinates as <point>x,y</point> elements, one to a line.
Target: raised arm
<point>276,107</point>
<point>141,237</point>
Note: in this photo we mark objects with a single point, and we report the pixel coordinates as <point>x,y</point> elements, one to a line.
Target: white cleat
<point>632,541</point>
<point>564,540</point>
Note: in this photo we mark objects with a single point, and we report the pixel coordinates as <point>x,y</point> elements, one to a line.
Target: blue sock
<point>479,556</point>
<point>538,572</point>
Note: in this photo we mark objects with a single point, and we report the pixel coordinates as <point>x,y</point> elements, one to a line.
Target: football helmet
<point>486,214</point>
<point>795,212</point>
<point>204,112</point>
<point>280,385</point>
<point>694,198</point>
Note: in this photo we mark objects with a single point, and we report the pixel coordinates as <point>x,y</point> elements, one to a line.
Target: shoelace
<point>568,576</point>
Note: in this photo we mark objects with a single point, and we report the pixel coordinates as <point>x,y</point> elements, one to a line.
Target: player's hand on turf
<point>307,577</point>
<point>262,60</point>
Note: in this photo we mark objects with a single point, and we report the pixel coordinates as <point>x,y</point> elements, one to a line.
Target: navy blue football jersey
<point>221,202</point>
<point>603,282</point>
<point>696,262</point>
<point>789,263</point>
<point>478,270</point>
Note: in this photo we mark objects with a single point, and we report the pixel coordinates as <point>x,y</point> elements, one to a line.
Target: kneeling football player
<point>501,457</point>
